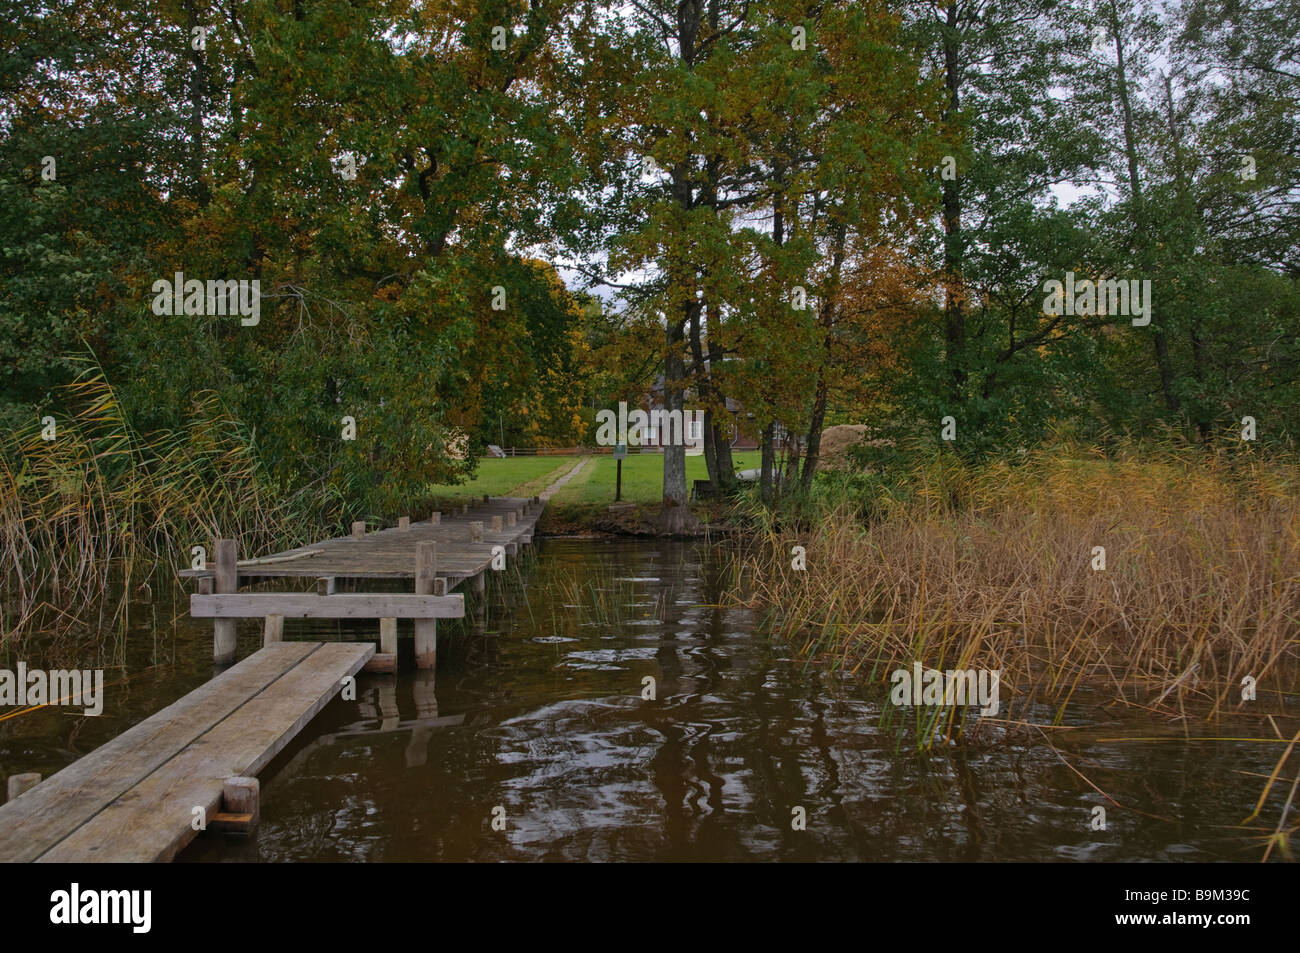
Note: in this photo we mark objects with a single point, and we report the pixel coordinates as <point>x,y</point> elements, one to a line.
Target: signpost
<point>620,454</point>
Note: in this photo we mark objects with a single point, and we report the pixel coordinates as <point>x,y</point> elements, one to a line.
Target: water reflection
<point>537,708</point>
<point>539,711</point>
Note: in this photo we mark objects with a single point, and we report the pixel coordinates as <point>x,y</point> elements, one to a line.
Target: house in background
<point>740,439</point>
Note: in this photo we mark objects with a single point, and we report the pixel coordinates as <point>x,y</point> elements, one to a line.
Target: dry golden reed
<point>101,502</point>
<point>991,566</point>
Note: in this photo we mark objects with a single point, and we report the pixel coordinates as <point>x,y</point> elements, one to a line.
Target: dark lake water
<point>535,717</point>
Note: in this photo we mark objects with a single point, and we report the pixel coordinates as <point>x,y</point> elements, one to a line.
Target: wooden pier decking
<point>437,555</point>
<point>138,797</point>
<point>135,798</point>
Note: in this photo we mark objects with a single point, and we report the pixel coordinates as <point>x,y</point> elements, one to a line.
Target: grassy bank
<point>506,476</point>
<point>996,567</point>
<point>643,478</point>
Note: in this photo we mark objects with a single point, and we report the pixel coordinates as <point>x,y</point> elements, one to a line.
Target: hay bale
<point>836,442</point>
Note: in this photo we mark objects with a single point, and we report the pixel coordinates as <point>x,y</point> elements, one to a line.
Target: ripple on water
<point>553,729</point>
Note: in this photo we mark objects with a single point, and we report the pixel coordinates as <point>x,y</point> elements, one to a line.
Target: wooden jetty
<point>437,555</point>
<point>192,766</point>
<point>146,794</point>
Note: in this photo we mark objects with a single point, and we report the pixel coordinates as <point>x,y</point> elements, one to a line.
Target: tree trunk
<point>726,465</point>
<point>812,454</point>
<point>1161,341</point>
<point>198,95</point>
<point>675,517</point>
<point>768,459</point>
<point>954,302</point>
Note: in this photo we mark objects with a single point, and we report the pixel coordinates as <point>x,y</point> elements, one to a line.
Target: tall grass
<point>989,566</point>
<point>102,502</point>
<point>603,597</point>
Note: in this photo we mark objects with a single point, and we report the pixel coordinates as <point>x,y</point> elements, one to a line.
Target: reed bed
<point>605,598</point>
<point>991,566</point>
<point>101,502</point>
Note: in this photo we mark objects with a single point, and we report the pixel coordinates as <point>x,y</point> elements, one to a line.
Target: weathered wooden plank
<point>70,797</point>
<point>386,554</point>
<point>305,605</point>
<point>153,821</point>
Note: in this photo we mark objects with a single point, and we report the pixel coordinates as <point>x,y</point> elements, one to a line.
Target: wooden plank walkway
<point>464,548</point>
<point>437,554</point>
<point>133,799</point>
<point>136,797</point>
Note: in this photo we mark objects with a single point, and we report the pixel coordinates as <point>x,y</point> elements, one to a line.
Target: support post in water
<point>479,585</point>
<point>226,581</point>
<point>388,636</point>
<point>426,630</point>
<point>19,783</point>
<point>240,804</point>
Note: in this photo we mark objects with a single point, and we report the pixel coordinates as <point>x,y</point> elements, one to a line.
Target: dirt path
<point>568,475</point>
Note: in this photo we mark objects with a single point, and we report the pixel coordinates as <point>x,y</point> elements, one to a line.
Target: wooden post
<point>479,584</point>
<point>359,529</point>
<point>325,585</point>
<point>274,631</point>
<point>511,518</point>
<point>435,518</point>
<point>464,509</point>
<point>224,637</point>
<point>476,531</point>
<point>496,524</point>
<point>240,804</point>
<point>385,660</point>
<point>403,522</point>
<point>18,783</point>
<point>388,636</point>
<point>426,630</point>
<point>486,498</point>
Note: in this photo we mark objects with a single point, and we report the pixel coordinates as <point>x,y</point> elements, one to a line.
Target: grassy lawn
<point>509,476</point>
<point>643,478</point>
<point>643,475</point>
